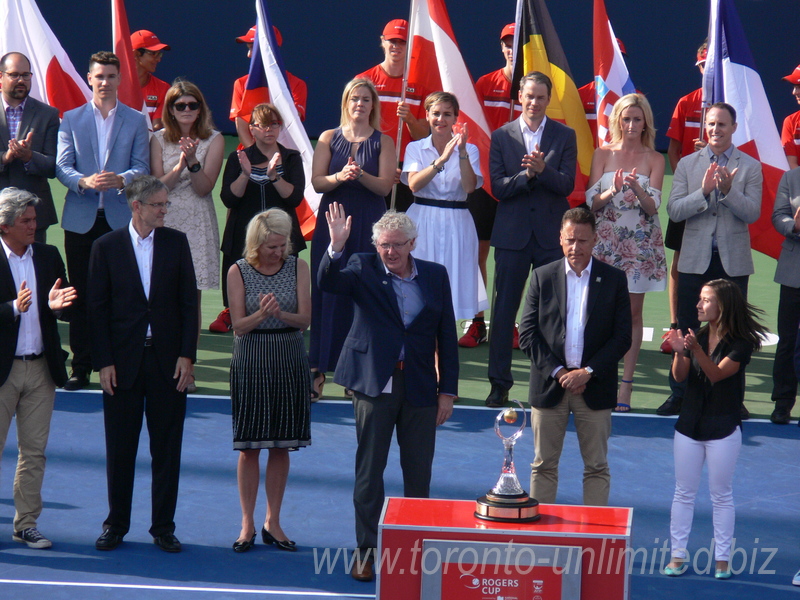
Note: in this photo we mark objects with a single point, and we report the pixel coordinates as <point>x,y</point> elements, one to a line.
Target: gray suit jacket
<point>728,216</point>
<point>531,205</point>
<point>42,119</point>
<point>787,201</point>
<point>128,155</point>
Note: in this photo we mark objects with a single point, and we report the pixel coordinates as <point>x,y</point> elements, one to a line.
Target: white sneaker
<point>32,537</point>
<point>796,579</point>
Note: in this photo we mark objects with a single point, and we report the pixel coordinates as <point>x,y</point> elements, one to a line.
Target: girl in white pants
<point>709,427</point>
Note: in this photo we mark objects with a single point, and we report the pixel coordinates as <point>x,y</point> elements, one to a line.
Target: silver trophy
<point>507,501</point>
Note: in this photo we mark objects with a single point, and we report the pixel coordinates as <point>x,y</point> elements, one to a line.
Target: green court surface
<point>650,387</point>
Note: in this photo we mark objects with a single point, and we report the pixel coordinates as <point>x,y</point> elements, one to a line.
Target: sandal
<point>316,390</point>
<point>623,407</point>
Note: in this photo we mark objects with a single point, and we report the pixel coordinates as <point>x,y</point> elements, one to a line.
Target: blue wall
<point>327,41</point>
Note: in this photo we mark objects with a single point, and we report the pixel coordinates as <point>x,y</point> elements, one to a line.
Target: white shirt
<point>530,137</point>
<point>29,338</point>
<point>577,294</point>
<point>447,184</point>
<point>104,127</point>
<point>143,249</point>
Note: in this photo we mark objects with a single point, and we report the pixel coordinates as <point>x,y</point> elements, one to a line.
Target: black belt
<point>441,203</point>
<point>27,357</point>
<point>148,341</point>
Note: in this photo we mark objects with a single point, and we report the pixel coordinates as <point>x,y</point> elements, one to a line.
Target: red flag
<point>55,80</point>
<point>436,64</point>
<point>130,92</point>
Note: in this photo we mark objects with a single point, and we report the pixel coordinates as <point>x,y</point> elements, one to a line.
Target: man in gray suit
<point>28,135</point>
<point>717,191</point>
<point>532,166</point>
<point>786,219</point>
<point>102,146</point>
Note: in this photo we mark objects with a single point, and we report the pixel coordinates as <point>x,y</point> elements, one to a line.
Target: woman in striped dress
<point>270,307</point>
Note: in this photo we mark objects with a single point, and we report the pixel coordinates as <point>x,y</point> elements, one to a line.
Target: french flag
<point>612,80</point>
<point>435,62</point>
<point>730,76</point>
<point>55,80</point>
<point>266,70</point>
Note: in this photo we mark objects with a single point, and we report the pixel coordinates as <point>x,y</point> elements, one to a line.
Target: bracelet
<point>465,157</point>
<point>336,177</point>
<point>438,169</point>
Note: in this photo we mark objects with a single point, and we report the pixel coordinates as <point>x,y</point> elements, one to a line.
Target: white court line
<point>175,588</point>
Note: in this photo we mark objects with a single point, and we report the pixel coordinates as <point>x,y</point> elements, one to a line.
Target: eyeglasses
<point>156,53</point>
<point>182,106</point>
<point>158,205</point>
<point>387,246</point>
<point>274,126</point>
<point>26,76</point>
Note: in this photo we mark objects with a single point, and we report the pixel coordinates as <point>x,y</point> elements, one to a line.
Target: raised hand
<point>272,172</point>
<point>60,298</point>
<point>339,225</point>
<point>244,162</point>
<point>24,297</point>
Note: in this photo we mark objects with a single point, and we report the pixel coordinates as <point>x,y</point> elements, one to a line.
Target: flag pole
<point>402,99</point>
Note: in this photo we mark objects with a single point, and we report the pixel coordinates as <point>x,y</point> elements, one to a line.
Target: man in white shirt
<point>31,360</point>
<point>575,328</point>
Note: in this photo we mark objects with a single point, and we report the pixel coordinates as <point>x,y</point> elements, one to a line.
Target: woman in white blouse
<point>441,170</point>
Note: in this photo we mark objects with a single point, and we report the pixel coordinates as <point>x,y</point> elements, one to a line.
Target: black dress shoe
<point>268,538</point>
<point>780,416</point>
<point>167,542</point>
<point>245,545</point>
<point>497,397</point>
<point>672,406</point>
<point>77,381</point>
<point>108,541</point>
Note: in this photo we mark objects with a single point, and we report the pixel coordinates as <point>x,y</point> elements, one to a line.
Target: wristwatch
<point>195,168</point>
<point>589,370</point>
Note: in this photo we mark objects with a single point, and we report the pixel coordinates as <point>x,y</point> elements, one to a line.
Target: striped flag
<point>435,63</point>
<point>730,76</point>
<point>55,80</point>
<point>266,70</point>
<point>129,92</point>
<point>537,48</point>
<point>612,80</point>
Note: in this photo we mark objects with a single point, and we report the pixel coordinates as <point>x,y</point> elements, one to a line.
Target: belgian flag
<point>539,49</point>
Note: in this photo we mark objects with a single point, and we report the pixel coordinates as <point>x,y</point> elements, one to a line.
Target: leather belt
<point>29,357</point>
<point>148,342</point>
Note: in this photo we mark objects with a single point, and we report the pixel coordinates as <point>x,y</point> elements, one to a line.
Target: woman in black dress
<point>270,307</point>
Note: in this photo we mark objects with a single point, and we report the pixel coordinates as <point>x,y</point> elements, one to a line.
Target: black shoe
<point>780,416</point>
<point>77,381</point>
<point>268,538</point>
<point>108,541</point>
<point>498,397</point>
<point>167,542</point>
<point>245,545</point>
<point>672,406</point>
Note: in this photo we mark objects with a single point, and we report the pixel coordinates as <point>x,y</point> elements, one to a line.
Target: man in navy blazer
<point>403,317</point>
<point>532,165</point>
<point>29,151</point>
<point>576,327</point>
<point>102,146</point>
<point>143,301</point>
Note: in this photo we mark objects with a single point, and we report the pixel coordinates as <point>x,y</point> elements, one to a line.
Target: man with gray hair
<point>31,360</point>
<point>143,301</point>
<point>403,316</point>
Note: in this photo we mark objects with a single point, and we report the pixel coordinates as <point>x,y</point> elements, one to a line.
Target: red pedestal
<point>438,550</point>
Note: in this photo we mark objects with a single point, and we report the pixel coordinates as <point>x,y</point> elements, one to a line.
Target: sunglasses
<point>182,106</point>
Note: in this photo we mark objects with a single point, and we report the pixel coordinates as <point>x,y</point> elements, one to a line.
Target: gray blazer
<point>728,216</point>
<point>128,155</point>
<point>42,119</point>
<point>535,205</point>
<point>787,201</point>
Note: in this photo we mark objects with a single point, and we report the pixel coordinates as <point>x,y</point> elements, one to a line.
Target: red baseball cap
<point>794,78</point>
<point>250,36</point>
<point>397,29</point>
<point>147,40</point>
<point>508,30</point>
<point>701,57</point>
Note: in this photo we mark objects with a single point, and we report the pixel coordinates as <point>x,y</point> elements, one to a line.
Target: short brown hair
<point>104,58</point>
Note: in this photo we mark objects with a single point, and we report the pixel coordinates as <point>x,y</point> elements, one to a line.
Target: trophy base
<point>519,508</point>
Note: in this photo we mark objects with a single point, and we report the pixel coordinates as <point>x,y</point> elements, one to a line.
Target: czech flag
<point>537,48</point>
<point>55,80</point>
<point>730,76</point>
<point>266,70</point>
<point>612,80</point>
<point>435,62</point>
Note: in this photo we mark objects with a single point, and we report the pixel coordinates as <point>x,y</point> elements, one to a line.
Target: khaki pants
<point>593,428</point>
<point>28,393</point>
